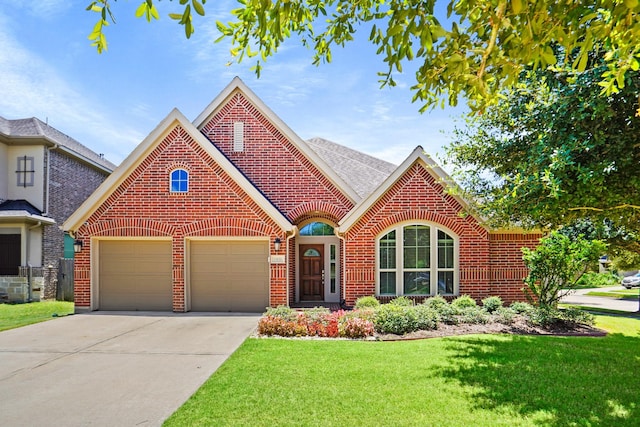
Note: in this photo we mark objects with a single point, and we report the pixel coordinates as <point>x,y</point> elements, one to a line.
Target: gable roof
<point>35,130</point>
<point>137,156</point>
<point>363,172</point>
<point>417,156</point>
<point>237,85</point>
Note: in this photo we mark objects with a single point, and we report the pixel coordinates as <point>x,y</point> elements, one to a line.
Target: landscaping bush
<point>449,314</point>
<point>597,280</point>
<point>473,315</point>
<point>504,315</point>
<point>273,325</point>
<point>463,301</point>
<point>281,311</point>
<point>543,316</point>
<point>436,302</point>
<point>395,319</point>
<point>402,302</point>
<point>577,316</point>
<point>363,313</point>
<point>354,327</point>
<point>367,302</point>
<point>521,307</point>
<point>426,317</point>
<point>491,304</point>
<point>322,323</point>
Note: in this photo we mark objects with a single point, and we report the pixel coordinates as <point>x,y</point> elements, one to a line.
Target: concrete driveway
<point>111,369</point>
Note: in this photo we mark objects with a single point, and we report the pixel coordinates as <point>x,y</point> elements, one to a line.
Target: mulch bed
<point>518,327</point>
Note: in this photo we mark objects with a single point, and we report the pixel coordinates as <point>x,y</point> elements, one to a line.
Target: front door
<point>312,272</point>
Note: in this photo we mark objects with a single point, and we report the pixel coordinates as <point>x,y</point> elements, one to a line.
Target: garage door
<point>229,276</point>
<point>135,275</point>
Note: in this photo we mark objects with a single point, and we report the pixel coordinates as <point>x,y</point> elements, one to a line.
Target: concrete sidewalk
<point>111,369</point>
<point>579,298</point>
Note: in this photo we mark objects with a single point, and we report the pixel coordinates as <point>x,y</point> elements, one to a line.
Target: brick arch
<point>316,210</point>
<point>453,224</point>
<point>129,227</point>
<point>227,227</point>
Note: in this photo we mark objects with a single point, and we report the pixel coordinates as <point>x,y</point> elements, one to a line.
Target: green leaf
<point>198,7</point>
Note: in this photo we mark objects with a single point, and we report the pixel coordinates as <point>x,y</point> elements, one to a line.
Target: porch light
<point>77,246</point>
<point>276,244</point>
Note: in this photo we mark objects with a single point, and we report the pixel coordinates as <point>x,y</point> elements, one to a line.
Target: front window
<point>25,171</point>
<point>416,259</point>
<point>317,229</point>
<point>179,181</point>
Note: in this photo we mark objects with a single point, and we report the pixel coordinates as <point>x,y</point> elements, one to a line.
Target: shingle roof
<point>33,127</point>
<point>363,172</point>
<point>19,205</point>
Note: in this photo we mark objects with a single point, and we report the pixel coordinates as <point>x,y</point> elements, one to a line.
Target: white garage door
<point>229,276</point>
<point>135,275</point>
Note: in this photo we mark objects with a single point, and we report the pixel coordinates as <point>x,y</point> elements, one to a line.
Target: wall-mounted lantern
<point>77,246</point>
<point>276,244</point>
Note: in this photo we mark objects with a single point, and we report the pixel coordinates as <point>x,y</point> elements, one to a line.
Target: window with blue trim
<point>179,181</point>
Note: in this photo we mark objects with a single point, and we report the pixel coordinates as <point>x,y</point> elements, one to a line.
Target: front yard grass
<point>479,380</point>
<point>17,315</point>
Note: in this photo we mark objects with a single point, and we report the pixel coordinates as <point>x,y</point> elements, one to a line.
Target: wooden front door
<point>312,272</point>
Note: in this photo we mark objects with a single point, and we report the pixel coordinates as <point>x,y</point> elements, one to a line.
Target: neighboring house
<point>44,177</point>
<point>234,212</point>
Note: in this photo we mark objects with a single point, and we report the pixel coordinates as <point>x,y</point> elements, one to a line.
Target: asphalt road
<point>579,298</point>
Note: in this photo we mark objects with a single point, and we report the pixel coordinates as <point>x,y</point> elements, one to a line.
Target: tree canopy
<point>480,48</point>
<point>553,150</point>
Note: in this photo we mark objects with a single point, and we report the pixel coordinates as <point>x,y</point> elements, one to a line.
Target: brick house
<point>45,177</point>
<point>234,212</point>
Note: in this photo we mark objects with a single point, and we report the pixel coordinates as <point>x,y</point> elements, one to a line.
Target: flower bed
<point>401,318</point>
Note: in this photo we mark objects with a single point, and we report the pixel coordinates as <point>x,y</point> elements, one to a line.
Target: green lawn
<point>17,315</point>
<point>476,380</point>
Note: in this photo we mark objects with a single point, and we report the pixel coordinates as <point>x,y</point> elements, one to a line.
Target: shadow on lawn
<point>554,381</point>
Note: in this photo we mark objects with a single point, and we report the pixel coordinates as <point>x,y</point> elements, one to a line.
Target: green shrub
<point>504,315</point>
<point>436,302</point>
<point>521,307</point>
<point>367,302</point>
<point>598,280</point>
<point>463,301</point>
<point>362,313</point>
<point>281,311</point>
<point>577,316</point>
<point>402,302</point>
<point>543,316</point>
<point>354,327</point>
<point>473,315</point>
<point>448,314</point>
<point>316,314</point>
<point>426,317</point>
<point>491,304</point>
<point>395,319</point>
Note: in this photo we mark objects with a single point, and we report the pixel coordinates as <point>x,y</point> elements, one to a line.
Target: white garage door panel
<point>135,275</point>
<point>229,276</point>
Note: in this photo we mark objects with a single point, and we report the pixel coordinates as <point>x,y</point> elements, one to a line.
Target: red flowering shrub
<point>354,327</point>
<point>272,325</point>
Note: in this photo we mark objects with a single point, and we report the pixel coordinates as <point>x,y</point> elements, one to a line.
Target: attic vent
<point>238,136</point>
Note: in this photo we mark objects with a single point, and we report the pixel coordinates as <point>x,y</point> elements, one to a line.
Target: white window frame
<point>433,262</point>
<point>171,190</point>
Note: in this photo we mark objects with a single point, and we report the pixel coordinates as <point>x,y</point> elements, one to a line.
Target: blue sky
<point>110,102</point>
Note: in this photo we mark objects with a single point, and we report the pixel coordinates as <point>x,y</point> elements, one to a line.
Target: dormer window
<point>179,181</point>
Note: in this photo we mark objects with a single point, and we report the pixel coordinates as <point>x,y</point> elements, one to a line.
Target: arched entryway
<point>317,263</point>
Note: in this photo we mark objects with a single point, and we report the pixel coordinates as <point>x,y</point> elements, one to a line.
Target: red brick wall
<point>507,267</point>
<point>488,264</point>
<point>275,166</point>
<point>143,206</point>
